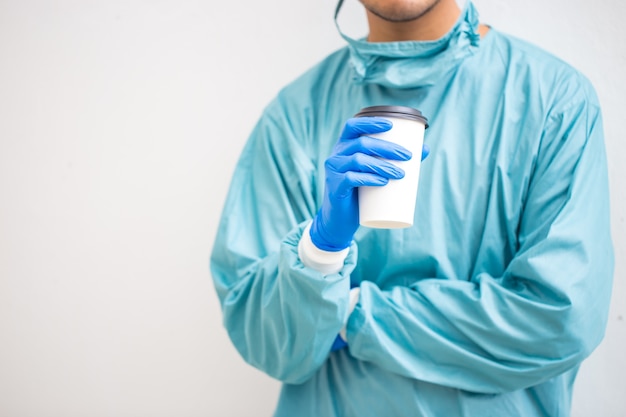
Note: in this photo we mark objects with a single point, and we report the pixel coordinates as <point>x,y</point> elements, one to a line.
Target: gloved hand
<point>354,162</point>
<point>339,343</point>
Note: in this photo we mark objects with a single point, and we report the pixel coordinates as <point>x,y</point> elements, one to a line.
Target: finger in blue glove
<point>339,343</point>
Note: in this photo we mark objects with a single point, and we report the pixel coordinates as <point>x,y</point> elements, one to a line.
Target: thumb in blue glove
<point>356,160</point>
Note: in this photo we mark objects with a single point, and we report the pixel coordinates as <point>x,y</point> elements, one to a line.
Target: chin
<point>399,10</point>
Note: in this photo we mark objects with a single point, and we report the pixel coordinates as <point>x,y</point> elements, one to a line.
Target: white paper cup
<point>392,206</point>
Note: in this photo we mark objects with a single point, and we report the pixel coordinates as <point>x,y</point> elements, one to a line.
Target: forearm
<point>282,316</point>
<point>484,336</point>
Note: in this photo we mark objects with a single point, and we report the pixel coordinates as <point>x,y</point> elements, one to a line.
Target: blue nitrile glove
<point>354,162</point>
<point>339,343</point>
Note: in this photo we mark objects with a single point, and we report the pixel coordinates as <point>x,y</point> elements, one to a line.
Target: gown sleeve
<point>281,316</point>
<point>547,311</point>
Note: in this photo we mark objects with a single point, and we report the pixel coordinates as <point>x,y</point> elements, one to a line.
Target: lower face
<point>399,10</point>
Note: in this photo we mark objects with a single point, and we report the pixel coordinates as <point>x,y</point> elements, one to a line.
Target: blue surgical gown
<point>489,303</point>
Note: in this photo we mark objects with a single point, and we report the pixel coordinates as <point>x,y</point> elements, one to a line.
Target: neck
<point>432,25</point>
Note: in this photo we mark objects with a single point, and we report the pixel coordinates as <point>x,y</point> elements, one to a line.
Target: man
<point>490,302</point>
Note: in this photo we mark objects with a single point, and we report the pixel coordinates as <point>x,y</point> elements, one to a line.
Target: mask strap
<point>339,4</point>
<point>359,65</point>
<point>473,22</point>
<point>337,10</point>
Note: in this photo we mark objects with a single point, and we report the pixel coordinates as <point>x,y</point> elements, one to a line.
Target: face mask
<point>410,64</point>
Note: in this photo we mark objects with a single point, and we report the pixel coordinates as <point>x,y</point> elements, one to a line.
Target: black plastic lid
<point>402,112</point>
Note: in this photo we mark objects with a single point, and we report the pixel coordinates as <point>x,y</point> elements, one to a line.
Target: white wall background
<point>120,124</point>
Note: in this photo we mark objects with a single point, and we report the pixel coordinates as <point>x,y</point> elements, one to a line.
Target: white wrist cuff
<point>322,261</point>
<point>354,299</point>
